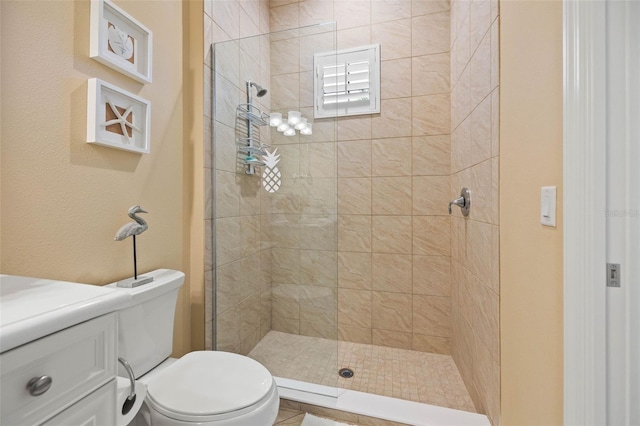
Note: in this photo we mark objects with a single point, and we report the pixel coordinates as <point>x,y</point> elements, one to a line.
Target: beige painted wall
<point>63,199</point>
<point>530,254</point>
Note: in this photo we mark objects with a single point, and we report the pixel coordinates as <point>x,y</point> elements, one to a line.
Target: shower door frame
<point>598,174</point>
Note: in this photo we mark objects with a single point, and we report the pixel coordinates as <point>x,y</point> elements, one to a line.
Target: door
<point>602,212</point>
<point>623,212</point>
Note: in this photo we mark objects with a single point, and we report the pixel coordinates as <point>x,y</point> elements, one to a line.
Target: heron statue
<point>133,229</point>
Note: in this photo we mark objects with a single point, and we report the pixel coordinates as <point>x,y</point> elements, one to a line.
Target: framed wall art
<point>117,118</point>
<point>119,41</point>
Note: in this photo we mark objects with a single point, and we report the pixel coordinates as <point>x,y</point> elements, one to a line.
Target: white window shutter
<point>347,82</point>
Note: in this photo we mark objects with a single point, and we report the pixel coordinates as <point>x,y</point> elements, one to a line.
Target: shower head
<point>261,91</point>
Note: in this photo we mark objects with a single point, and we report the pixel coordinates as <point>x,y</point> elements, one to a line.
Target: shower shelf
<point>249,118</point>
<point>253,113</point>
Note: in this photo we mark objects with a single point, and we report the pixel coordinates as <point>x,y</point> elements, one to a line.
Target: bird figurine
<point>133,228</point>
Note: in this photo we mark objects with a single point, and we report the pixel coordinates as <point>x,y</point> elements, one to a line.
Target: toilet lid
<point>206,383</point>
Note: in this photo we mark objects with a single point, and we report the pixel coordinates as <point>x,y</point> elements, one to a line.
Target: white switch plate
<point>548,206</point>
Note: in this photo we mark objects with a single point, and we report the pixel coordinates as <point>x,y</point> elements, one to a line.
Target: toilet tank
<point>145,324</point>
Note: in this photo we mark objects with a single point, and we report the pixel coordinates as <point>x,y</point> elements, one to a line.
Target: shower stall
<point>335,261</point>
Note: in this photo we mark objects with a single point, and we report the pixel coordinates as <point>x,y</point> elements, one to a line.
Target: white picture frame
<point>117,118</point>
<point>119,41</point>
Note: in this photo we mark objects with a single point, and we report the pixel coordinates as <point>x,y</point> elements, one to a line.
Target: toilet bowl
<point>211,388</point>
<point>202,388</point>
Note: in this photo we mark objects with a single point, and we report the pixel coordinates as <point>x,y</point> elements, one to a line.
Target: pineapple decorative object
<point>271,176</point>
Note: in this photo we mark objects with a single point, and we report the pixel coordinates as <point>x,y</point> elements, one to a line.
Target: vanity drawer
<point>78,360</point>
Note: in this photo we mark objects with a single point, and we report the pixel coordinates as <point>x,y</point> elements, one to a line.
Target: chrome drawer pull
<point>39,385</point>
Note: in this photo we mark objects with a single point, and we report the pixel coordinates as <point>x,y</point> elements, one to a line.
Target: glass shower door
<point>275,266</point>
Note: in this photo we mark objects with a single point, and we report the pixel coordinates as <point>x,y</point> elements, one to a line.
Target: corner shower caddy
<point>249,118</point>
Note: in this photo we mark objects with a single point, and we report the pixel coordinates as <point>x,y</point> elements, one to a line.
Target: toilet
<point>202,387</point>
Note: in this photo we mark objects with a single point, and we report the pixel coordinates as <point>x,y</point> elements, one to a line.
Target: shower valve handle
<point>463,201</point>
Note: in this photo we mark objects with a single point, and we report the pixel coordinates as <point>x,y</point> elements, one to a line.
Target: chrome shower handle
<point>463,201</point>
<point>458,202</point>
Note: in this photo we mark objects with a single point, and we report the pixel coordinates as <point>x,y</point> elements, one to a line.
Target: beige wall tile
<point>318,232</point>
<point>226,157</point>
<point>354,37</point>
<point>480,20</point>
<point>319,268</point>
<point>391,311</point>
<point>322,330</point>
<point>430,74</point>
<point>354,196</point>
<point>494,284</point>
<point>479,249</point>
<point>286,301</point>
<point>391,272</point>
<point>249,316</point>
<point>285,56</point>
<point>286,91</point>
<point>431,235</point>
<point>495,123</point>
<point>495,55</point>
<point>228,330</point>
<point>480,71</point>
<point>431,115</point>
<point>227,240</point>
<point>352,13</point>
<point>481,131</point>
<point>283,230</point>
<point>391,195</point>
<point>315,12</point>
<point>391,157</point>
<point>461,147</point>
<point>432,315</point>
<point>431,155</point>
<point>354,233</point>
<point>394,119</point>
<point>306,89</point>
<point>354,334</point>
<point>394,37</point>
<point>430,34</point>
<point>431,195</point>
<point>318,159</point>
<point>391,234</point>
<point>390,10</point>
<point>432,275</point>
<point>319,304</point>
<point>227,15</point>
<point>227,194</point>
<point>318,195</point>
<point>284,17</point>
<point>433,344</point>
<point>354,158</point>
<point>486,324</point>
<point>392,339</point>
<point>315,43</point>
<point>427,7</point>
<point>395,78</point>
<point>354,128</point>
<point>285,266</point>
<point>285,325</point>
<point>354,308</point>
<point>354,270</point>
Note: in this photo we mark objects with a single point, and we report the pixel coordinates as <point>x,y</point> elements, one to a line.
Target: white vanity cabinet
<point>64,371</point>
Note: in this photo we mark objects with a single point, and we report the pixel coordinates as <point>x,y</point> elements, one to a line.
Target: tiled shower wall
<point>474,164</point>
<point>242,263</point>
<point>393,172</point>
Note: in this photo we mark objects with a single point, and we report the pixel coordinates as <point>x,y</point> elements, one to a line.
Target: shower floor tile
<point>399,373</point>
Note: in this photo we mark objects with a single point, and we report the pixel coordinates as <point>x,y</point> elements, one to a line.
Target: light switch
<point>548,206</point>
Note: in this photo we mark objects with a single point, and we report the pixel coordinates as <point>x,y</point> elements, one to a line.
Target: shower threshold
<point>307,367</point>
<point>378,406</point>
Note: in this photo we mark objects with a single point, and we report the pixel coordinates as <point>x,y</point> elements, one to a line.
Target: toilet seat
<point>206,386</point>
